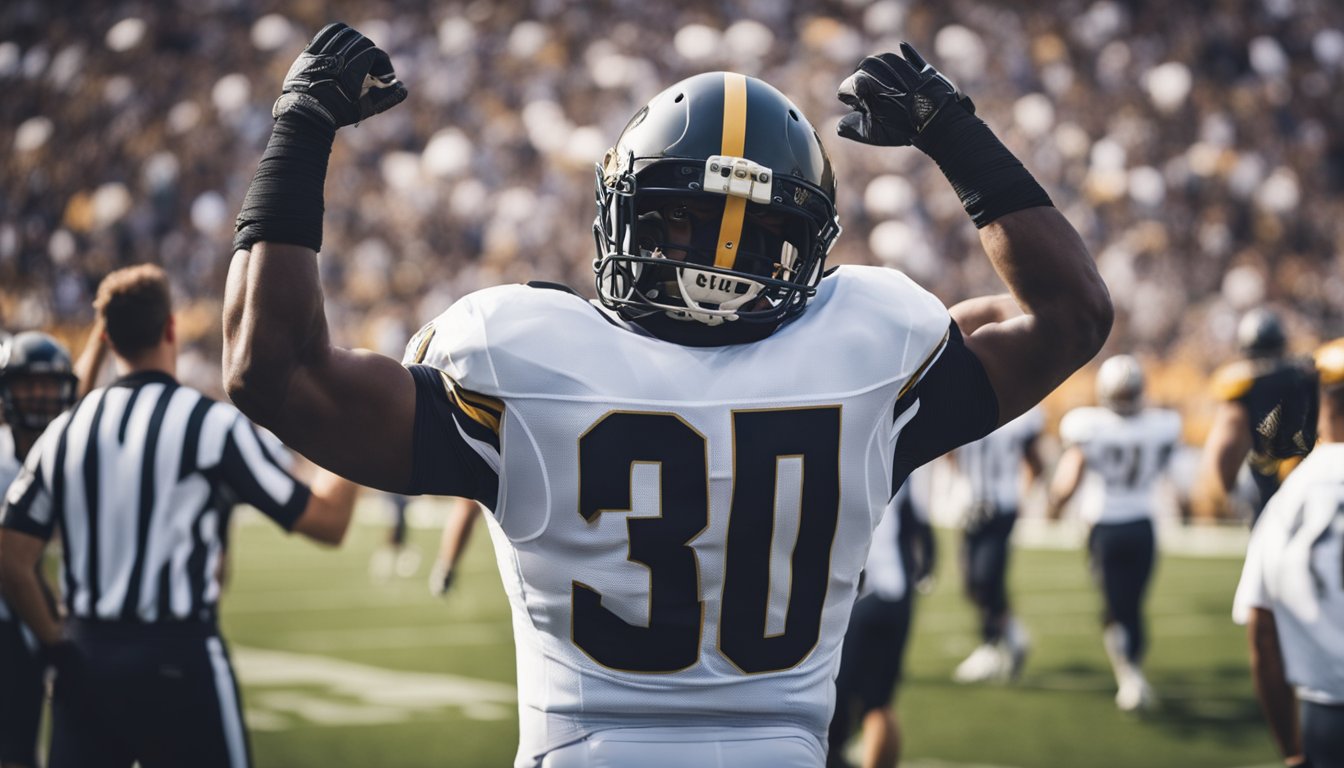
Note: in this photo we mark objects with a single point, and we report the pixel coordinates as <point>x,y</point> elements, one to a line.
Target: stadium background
<point>1196,146</point>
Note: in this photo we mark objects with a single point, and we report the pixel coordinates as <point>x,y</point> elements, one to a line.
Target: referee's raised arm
<point>348,410</point>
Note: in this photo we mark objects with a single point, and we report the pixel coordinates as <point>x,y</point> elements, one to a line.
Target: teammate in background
<point>1291,594</point>
<point>36,385</point>
<point>1116,453</point>
<point>993,468</point>
<point>684,475</point>
<point>397,556</point>
<point>1258,395</point>
<point>902,557</point>
<point>140,477</point>
<point>457,527</point>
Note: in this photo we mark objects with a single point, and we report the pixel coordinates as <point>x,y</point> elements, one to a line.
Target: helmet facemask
<point>664,246</point>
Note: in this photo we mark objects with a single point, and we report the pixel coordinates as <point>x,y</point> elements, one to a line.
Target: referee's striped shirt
<point>140,478</point>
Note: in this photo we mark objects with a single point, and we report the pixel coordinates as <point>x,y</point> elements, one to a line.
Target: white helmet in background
<point>1120,384</point>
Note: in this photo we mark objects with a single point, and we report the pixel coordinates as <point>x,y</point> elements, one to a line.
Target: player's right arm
<point>348,410</point>
<point>1066,309</point>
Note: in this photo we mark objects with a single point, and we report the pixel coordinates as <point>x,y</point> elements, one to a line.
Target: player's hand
<point>895,99</point>
<point>340,79</point>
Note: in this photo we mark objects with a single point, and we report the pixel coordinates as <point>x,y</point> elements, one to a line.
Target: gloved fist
<point>895,99</point>
<point>340,79</point>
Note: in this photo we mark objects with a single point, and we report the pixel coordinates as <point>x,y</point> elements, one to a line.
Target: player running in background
<point>684,475</point>
<point>997,469</point>
<point>458,524</point>
<point>1116,453</point>
<point>1291,594</point>
<point>1258,396</point>
<point>902,557</point>
<point>37,384</point>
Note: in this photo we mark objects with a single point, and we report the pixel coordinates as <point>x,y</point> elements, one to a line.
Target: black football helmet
<point>716,204</point>
<point>1260,334</point>
<point>35,355</point>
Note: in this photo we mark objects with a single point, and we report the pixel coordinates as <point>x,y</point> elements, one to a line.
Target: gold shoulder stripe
<point>484,402</point>
<point>1233,381</point>
<point>919,372</point>
<point>481,415</point>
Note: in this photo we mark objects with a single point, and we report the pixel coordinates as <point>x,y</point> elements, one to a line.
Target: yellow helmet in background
<point>1330,363</point>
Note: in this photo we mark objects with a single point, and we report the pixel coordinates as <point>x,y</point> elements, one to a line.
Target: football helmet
<point>716,204</point>
<point>1329,359</point>
<point>1120,384</point>
<point>30,356</point>
<point>1260,334</point>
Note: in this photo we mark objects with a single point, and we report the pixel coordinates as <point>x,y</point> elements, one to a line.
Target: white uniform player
<point>644,487</point>
<point>993,469</point>
<point>1292,589</point>
<point>1116,453</point>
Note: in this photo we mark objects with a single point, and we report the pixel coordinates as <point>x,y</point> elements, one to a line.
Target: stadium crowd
<point>1194,145</point>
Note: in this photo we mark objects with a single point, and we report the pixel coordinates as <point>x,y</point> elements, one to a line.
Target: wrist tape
<point>284,203</point>
<point>990,181</point>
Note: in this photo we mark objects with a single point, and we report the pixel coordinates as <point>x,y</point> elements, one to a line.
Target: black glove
<point>340,79</point>
<point>895,99</point>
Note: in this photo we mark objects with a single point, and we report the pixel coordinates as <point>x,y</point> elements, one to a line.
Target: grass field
<point>340,671</point>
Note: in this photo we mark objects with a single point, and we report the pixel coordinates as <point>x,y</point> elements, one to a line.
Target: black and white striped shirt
<point>140,477</point>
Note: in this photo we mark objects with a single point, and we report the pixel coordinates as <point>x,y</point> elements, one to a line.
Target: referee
<point>1291,594</point>
<point>140,477</point>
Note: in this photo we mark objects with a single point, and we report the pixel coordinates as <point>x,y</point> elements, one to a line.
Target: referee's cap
<point>1330,363</point>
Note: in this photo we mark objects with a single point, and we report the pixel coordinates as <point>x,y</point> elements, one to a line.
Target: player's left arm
<point>1066,309</point>
<point>1277,699</point>
<point>351,411</point>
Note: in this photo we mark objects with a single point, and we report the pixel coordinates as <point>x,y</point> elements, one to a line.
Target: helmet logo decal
<point>733,144</point>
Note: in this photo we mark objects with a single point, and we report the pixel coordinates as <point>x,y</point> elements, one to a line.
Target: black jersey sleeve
<point>457,439</point>
<point>954,404</point>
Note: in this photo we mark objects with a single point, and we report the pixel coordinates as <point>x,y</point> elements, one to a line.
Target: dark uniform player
<point>36,385</point>
<point>1257,394</point>
<point>871,663</point>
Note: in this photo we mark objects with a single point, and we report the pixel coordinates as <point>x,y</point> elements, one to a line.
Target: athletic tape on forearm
<point>284,203</point>
<point>987,177</point>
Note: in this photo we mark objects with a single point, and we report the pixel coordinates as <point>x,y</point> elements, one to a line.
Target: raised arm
<point>1065,309</point>
<point>351,411</point>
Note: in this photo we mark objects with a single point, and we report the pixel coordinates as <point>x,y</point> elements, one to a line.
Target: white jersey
<point>992,465</point>
<point>680,530</point>
<point>884,573</point>
<point>1294,569</point>
<point>1124,457</point>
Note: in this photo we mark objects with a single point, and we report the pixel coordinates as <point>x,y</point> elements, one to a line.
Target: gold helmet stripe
<point>734,143</point>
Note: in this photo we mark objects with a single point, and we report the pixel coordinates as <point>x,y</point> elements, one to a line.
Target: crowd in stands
<point>1196,145</point>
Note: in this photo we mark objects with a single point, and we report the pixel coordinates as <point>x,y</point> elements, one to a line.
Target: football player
<point>1266,413</point>
<point>997,468</point>
<point>683,475</point>
<point>37,384</point>
<point>1116,453</point>
<point>902,558</point>
<point>1292,591</point>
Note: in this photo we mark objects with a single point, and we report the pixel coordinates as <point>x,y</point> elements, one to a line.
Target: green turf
<point>381,674</point>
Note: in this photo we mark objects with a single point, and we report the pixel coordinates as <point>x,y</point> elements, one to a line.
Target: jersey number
<point>671,639</point>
